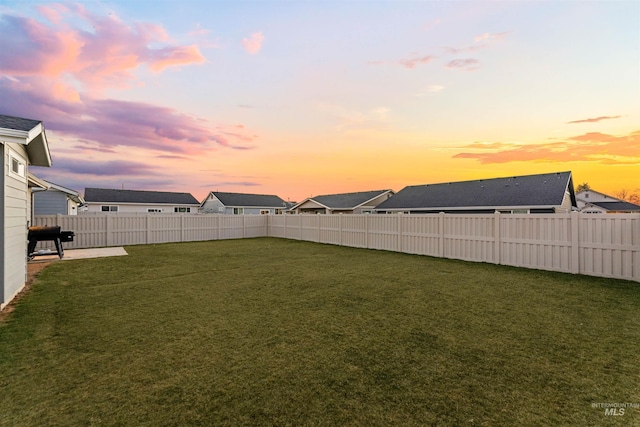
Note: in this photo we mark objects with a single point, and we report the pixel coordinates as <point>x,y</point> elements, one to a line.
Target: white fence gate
<point>598,245</point>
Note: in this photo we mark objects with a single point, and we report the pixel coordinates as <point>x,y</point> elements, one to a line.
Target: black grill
<point>50,234</point>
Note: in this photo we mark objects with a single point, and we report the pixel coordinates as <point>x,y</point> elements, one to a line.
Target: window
<point>150,210</point>
<point>109,208</point>
<point>17,165</point>
<point>515,211</point>
<point>182,209</point>
<point>264,212</point>
<point>238,211</point>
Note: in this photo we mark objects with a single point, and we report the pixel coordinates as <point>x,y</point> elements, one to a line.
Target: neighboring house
<point>591,201</point>
<point>345,203</point>
<point>23,143</point>
<point>138,201</point>
<point>218,202</point>
<point>543,193</point>
<point>56,199</point>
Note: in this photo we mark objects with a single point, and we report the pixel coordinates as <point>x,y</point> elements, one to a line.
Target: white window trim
<point>22,166</point>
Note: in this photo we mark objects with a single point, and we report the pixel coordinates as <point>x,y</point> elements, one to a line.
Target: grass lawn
<point>279,332</point>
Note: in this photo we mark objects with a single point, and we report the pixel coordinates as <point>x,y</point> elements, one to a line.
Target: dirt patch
<point>33,269</point>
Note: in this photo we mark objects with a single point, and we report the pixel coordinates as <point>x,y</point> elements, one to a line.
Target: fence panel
<point>90,232</point>
<point>599,245</point>
<point>610,245</point>
<point>469,237</point>
<point>536,241</point>
<point>421,234</point>
<point>383,232</point>
<point>309,228</point>
<point>201,227</point>
<point>354,230</point>
<point>292,229</point>
<point>276,227</point>
<point>329,229</point>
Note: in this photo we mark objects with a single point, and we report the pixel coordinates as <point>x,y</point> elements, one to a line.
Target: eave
<point>35,141</point>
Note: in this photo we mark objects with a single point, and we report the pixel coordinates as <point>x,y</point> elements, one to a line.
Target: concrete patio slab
<point>70,254</point>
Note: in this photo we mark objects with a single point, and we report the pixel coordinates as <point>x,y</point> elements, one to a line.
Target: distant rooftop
<point>249,200</point>
<point>540,190</point>
<point>105,195</point>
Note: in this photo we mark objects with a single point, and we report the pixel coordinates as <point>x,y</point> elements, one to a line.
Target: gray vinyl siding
<point>50,203</point>
<point>212,205</point>
<point>15,200</point>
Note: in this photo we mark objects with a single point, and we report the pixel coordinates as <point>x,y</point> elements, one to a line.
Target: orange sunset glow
<point>300,99</point>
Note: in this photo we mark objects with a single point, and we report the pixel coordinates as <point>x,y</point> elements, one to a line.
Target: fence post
<point>441,235</point>
<point>108,238</point>
<point>497,237</point>
<point>366,231</point>
<point>575,242</point>
<point>218,217</point>
<point>399,242</point>
<point>182,227</point>
<point>340,230</point>
<point>148,229</point>
<point>244,226</point>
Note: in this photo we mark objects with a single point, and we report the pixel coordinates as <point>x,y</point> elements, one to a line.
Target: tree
<point>582,187</point>
<point>628,196</point>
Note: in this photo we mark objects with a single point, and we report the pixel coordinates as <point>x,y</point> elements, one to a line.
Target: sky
<point>303,98</point>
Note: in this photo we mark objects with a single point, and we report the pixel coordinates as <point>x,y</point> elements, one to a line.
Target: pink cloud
<point>413,62</point>
<point>469,64</point>
<point>253,44</point>
<point>107,56</point>
<point>593,147</point>
<point>490,37</point>
<point>112,123</point>
<point>594,120</point>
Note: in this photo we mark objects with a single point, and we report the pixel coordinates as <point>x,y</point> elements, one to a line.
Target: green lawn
<point>278,332</point>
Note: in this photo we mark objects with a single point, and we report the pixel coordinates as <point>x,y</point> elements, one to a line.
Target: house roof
<point>344,200</point>
<point>27,132</point>
<point>617,206</point>
<point>249,200</point>
<point>536,191</point>
<point>36,183</point>
<point>104,195</point>
<point>73,195</point>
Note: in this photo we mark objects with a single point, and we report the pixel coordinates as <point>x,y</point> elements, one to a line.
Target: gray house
<point>23,143</point>
<point>106,200</point>
<point>218,202</point>
<point>543,193</point>
<point>594,202</point>
<point>344,203</point>
<point>56,199</point>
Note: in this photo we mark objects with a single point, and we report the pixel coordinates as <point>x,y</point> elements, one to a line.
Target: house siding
<point>50,203</point>
<point>212,205</point>
<point>565,207</point>
<point>138,208</point>
<point>16,210</point>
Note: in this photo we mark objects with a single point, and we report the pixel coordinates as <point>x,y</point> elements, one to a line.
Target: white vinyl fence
<point>94,231</point>
<point>598,245</point>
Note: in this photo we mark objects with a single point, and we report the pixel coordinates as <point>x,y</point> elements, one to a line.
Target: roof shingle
<point>104,195</point>
<point>529,190</point>
<point>249,200</point>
